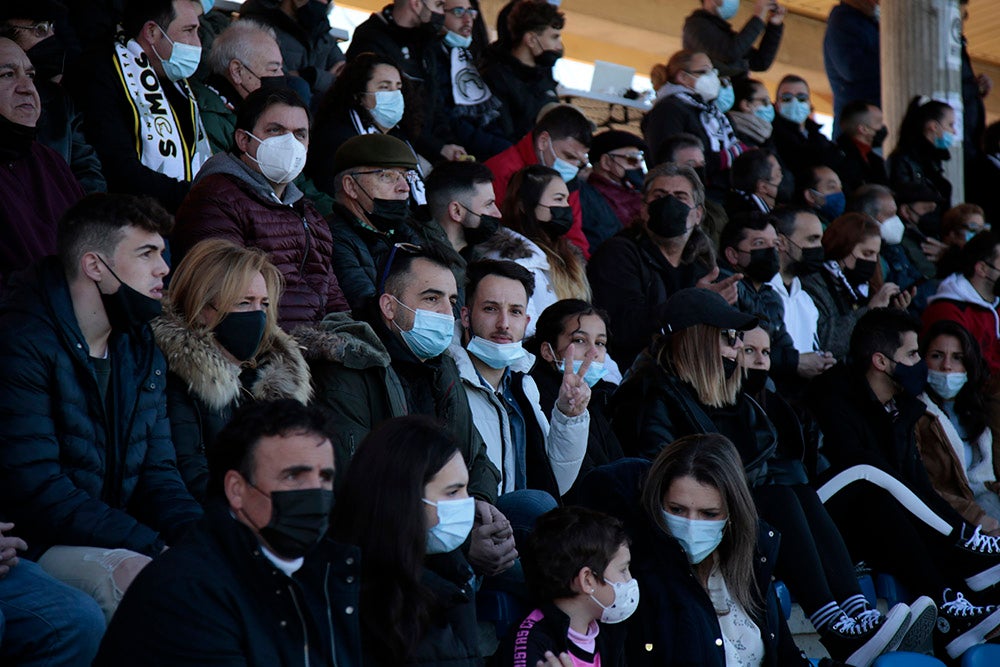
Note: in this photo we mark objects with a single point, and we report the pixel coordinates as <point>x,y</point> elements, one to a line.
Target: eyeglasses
<point>788,97</point>
<point>390,176</point>
<point>459,12</point>
<point>39,30</point>
<point>731,336</point>
<point>633,159</point>
<point>410,248</point>
<point>701,72</point>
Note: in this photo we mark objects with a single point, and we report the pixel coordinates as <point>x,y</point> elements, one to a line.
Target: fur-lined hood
<point>508,244</point>
<point>282,371</point>
<point>343,340</point>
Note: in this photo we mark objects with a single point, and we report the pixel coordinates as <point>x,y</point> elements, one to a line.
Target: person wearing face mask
<point>519,70</point>
<point>954,437</point>
<point>879,203</point>
<point>687,104</point>
<point>820,189</point>
<point>970,296</point>
<point>560,140</point>
<point>536,217</point>
<point>248,197</point>
<point>862,133</point>
<point>36,28</point>
<point>849,283</point>
<point>534,450</point>
<point>578,567</point>
<point>418,592</point>
<point>708,30</point>
<point>223,347</point>
<point>611,197</point>
<point>752,113</point>
<point>959,225</point>
<point>925,136</point>
<point>797,137</point>
<point>302,29</point>
<point>577,326</point>
<point>270,494</point>
<point>75,472</point>
<point>878,491</point>
<point>635,272</point>
<point>139,111</point>
<point>756,179</point>
<point>702,557</point>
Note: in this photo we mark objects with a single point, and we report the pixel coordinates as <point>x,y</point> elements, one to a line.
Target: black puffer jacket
<point>676,623</point>
<point>921,164</point>
<point>70,473</point>
<point>216,599</point>
<point>523,90</point>
<point>60,127</point>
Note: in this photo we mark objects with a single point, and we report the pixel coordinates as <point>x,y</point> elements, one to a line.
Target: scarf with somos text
<point>159,141</point>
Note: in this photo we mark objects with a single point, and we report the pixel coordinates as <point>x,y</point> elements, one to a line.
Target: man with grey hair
<point>634,273</point>
<point>244,57</point>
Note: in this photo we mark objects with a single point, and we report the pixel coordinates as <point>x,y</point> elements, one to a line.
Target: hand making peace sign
<point>574,393</point>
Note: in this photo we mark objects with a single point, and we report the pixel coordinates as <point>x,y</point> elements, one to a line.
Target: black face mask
<point>48,57</point>
<point>240,333</point>
<point>912,379</point>
<point>562,220</point>
<point>488,226</point>
<point>435,25</point>
<point>548,58</point>
<point>729,367</point>
<point>755,381</point>
<point>634,178</point>
<point>388,214</point>
<point>764,263</point>
<point>930,223</point>
<point>879,138</point>
<point>702,176</point>
<point>128,311</point>
<point>862,272</point>
<point>313,17</point>
<point>668,217</point>
<point>279,82</point>
<point>15,139</point>
<point>809,262</point>
<point>299,520</point>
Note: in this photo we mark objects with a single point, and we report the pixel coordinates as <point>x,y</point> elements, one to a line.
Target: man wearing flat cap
<point>374,174</point>
<point>247,196</point>
<point>611,198</point>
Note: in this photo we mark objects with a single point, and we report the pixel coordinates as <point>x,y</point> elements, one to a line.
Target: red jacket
<point>516,158</point>
<point>229,204</point>
<point>957,300</point>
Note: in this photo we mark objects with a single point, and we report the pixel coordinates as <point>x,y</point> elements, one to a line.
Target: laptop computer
<point>611,78</point>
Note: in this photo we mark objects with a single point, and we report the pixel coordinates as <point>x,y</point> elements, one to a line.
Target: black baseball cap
<point>696,305</point>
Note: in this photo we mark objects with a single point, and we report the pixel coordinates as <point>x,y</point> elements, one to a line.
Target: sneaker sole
<point>885,640</point>
<point>919,636</point>
<point>973,636</point>
<point>985,579</point>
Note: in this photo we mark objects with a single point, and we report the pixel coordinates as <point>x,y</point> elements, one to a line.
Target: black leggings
<point>813,560</point>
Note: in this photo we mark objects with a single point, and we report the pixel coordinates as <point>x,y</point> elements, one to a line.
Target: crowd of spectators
<point>310,355</point>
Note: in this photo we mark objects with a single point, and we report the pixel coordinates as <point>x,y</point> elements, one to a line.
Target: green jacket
<point>364,378</point>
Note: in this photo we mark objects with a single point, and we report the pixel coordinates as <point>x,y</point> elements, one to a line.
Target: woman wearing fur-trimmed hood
<point>220,336</point>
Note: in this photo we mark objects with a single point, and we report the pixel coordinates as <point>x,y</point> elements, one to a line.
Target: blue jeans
<point>44,622</point>
<point>521,508</point>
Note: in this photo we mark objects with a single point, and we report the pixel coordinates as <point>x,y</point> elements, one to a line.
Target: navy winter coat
<point>69,474</point>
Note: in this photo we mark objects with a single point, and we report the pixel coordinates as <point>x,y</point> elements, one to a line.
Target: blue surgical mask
<point>595,372</point>
<point>698,537</point>
<point>389,108</point>
<point>495,355</point>
<point>455,518</point>
<point>207,5</point>
<point>728,9</point>
<point>566,170</point>
<point>431,333</point>
<point>834,204</point>
<point>795,111</point>
<point>765,112</point>
<point>453,39</point>
<point>724,102</point>
<point>946,385</point>
<point>945,141</point>
<point>183,61</point>
<point>969,235</point>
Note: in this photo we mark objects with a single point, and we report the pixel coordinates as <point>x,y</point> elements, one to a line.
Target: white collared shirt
<point>801,314</point>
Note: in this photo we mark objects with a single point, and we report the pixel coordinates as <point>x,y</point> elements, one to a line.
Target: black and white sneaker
<point>962,625</point>
<point>919,635</point>
<point>859,643</point>
<point>980,552</point>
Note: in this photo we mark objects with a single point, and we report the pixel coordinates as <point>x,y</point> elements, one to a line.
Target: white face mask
<point>280,158</point>
<point>625,603</point>
<point>455,519</point>
<point>708,86</point>
<point>946,385</point>
<point>892,230</point>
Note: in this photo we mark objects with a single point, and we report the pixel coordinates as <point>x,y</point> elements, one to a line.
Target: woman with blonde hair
<point>219,333</point>
<point>536,217</point>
